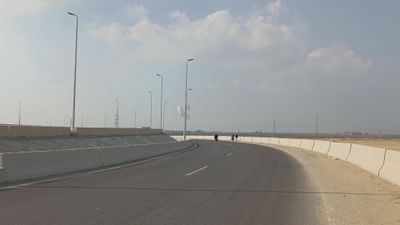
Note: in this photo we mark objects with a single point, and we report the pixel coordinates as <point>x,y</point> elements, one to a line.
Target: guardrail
<point>384,163</point>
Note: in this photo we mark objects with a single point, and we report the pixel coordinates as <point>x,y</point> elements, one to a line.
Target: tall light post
<point>165,103</point>
<point>161,100</point>
<point>76,60</point>
<point>151,108</point>
<point>186,95</point>
<point>117,114</point>
<point>135,117</point>
<point>19,114</point>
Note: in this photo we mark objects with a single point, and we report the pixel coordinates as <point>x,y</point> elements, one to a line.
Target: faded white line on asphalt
<point>136,163</point>
<point>229,154</point>
<point>196,171</point>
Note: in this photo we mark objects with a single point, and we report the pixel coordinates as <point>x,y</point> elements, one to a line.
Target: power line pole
<point>274,128</point>
<point>316,126</point>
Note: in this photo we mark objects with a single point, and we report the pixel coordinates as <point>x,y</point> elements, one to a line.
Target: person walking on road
<point>236,136</point>
<point>232,137</point>
<point>215,137</point>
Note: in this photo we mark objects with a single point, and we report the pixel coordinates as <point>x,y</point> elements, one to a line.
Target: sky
<point>254,62</point>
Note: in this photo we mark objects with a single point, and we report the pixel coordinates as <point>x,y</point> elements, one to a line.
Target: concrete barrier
<point>258,140</point>
<point>33,131</point>
<point>295,143</point>
<point>321,146</point>
<point>307,144</point>
<point>2,175</point>
<point>4,131</point>
<point>246,139</point>
<point>391,168</point>
<point>366,157</point>
<point>284,141</point>
<point>161,149</point>
<point>340,150</point>
<point>112,156</point>
<point>85,131</point>
<point>274,141</point>
<point>37,164</point>
<point>178,138</point>
<point>26,165</point>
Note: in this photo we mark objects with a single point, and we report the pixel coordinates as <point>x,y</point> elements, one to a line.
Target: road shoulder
<point>350,194</point>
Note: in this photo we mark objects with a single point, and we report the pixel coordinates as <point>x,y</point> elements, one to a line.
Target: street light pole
<point>186,95</point>
<point>165,103</point>
<point>76,60</point>
<point>117,115</point>
<point>135,117</point>
<point>19,114</point>
<point>161,100</point>
<point>151,108</point>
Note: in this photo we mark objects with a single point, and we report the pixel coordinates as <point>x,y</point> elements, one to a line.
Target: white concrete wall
<point>274,141</point>
<point>307,144</point>
<point>284,141</point>
<point>295,143</point>
<point>340,150</point>
<point>366,157</point>
<point>391,169</point>
<point>321,146</point>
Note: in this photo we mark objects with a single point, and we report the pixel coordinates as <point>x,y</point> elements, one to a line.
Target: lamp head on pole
<point>72,14</point>
<point>191,59</point>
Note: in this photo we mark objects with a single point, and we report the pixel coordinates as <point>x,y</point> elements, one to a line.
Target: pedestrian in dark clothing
<point>216,137</point>
<point>232,137</point>
<point>236,136</point>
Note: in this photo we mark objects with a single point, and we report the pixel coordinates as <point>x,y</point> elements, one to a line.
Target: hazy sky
<point>255,62</point>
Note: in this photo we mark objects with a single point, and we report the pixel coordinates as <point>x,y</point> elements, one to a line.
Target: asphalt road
<point>217,183</point>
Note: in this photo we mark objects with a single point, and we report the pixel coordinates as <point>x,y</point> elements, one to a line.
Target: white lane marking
<point>196,171</point>
<point>229,154</point>
<point>137,163</point>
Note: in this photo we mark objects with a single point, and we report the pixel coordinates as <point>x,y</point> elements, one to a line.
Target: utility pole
<point>105,119</point>
<point>274,128</point>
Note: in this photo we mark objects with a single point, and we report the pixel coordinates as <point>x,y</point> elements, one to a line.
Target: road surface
<point>217,183</point>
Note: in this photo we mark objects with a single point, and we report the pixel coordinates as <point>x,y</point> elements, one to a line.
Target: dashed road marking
<point>196,171</point>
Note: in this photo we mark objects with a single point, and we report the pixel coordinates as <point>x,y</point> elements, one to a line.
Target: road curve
<point>217,183</point>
